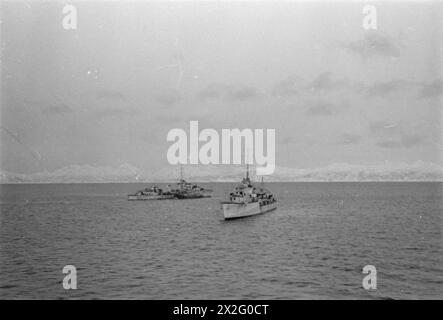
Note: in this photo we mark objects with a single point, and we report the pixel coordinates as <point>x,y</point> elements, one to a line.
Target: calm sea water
<point>313,246</point>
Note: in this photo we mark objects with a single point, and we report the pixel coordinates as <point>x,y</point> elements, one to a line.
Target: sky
<point>107,93</point>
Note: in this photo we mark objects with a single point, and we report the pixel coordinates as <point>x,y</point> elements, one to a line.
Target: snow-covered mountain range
<point>418,171</point>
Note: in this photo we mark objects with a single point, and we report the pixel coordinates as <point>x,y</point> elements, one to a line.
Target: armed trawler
<point>186,190</point>
<point>248,200</point>
<point>153,193</point>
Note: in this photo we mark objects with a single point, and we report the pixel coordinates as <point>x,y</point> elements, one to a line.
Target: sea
<point>314,246</point>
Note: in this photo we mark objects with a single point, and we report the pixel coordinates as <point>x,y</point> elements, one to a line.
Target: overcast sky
<point>108,93</point>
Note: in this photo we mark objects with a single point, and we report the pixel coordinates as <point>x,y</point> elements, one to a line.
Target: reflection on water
<point>313,246</point>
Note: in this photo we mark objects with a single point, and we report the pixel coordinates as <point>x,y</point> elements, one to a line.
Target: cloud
<point>403,141</point>
<point>57,109</point>
<point>394,135</point>
<point>286,140</point>
<point>110,95</point>
<point>286,87</point>
<point>114,112</point>
<point>384,128</point>
<point>218,91</point>
<point>321,108</point>
<point>168,98</point>
<point>169,119</point>
<point>213,92</point>
<point>349,138</point>
<point>373,44</point>
<point>432,89</point>
<point>383,89</point>
<point>241,94</point>
<point>325,82</point>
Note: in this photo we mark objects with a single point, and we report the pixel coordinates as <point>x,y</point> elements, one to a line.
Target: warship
<point>186,190</point>
<point>152,193</point>
<point>248,200</point>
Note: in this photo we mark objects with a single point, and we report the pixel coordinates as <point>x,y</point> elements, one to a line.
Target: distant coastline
<point>217,181</point>
<point>196,181</point>
<point>419,171</point>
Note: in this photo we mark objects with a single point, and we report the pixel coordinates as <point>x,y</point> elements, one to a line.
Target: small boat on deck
<point>248,200</point>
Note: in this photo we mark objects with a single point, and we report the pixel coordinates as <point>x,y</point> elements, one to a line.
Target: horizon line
<point>203,181</point>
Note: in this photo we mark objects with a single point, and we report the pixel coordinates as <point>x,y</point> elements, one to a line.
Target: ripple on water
<point>314,246</point>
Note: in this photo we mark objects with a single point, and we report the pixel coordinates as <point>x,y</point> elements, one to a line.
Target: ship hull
<point>192,196</point>
<point>132,197</point>
<point>242,210</point>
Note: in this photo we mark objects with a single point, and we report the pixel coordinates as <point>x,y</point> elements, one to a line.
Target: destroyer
<point>153,193</point>
<point>248,200</point>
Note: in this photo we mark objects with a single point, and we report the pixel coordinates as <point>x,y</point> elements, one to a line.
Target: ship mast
<point>247,170</point>
<point>247,164</point>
